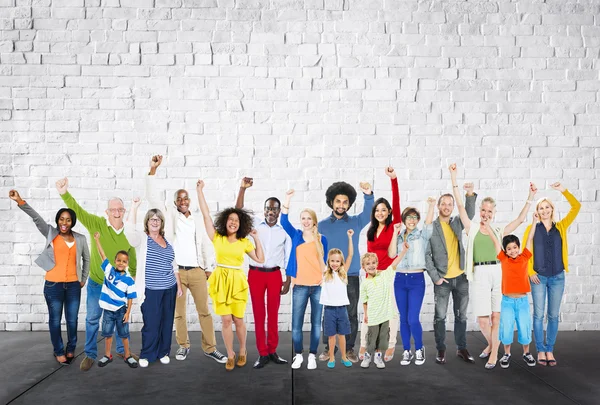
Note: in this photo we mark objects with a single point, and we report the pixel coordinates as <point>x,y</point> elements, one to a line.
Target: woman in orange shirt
<point>66,259</point>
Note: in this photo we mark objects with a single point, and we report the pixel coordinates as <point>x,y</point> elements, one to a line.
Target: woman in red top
<point>379,236</point>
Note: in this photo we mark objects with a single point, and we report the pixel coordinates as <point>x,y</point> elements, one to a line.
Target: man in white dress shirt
<point>267,277</point>
<point>195,257</point>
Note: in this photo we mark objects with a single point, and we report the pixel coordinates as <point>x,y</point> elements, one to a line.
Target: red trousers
<point>261,282</point>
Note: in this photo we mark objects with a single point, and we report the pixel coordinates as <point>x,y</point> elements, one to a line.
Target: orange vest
<point>65,258</point>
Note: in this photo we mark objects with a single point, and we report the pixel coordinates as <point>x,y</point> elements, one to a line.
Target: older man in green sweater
<point>112,239</point>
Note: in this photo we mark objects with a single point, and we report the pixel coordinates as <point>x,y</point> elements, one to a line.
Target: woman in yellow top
<point>547,270</point>
<point>228,287</point>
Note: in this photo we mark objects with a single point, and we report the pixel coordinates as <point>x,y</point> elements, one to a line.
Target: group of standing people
<point>180,250</point>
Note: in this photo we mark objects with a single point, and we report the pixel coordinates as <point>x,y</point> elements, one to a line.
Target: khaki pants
<point>195,281</point>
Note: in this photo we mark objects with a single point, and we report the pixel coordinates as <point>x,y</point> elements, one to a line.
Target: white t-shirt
<point>334,292</point>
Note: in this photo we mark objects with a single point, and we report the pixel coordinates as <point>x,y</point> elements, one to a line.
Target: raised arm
<point>399,258</point>
<point>247,182</point>
<point>464,218</point>
<point>133,236</point>
<point>430,210</point>
<point>208,222</point>
<point>152,194</point>
<point>87,220</point>
<point>575,205</point>
<point>534,222</point>
<point>393,247</point>
<point>396,211</point>
<point>492,234</point>
<point>365,216</point>
<point>257,254</point>
<point>350,246</point>
<point>510,228</point>
<point>99,246</point>
<point>39,222</point>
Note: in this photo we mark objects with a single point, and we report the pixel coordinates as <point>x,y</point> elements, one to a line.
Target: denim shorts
<point>335,321</point>
<point>110,319</point>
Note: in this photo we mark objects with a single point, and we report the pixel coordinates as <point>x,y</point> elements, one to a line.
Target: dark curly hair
<point>71,213</point>
<point>337,188</point>
<point>374,222</point>
<point>245,217</point>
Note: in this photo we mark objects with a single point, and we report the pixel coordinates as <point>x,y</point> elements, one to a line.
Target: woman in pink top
<point>379,236</point>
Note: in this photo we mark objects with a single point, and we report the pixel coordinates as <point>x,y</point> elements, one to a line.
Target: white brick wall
<point>297,93</point>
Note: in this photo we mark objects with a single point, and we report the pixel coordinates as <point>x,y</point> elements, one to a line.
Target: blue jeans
<point>553,287</point>
<point>300,296</point>
<point>59,295</point>
<point>409,289</point>
<point>114,319</point>
<point>92,321</point>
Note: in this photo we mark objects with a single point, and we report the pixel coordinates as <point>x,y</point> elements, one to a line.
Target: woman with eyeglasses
<point>157,283</point>
<point>409,284</point>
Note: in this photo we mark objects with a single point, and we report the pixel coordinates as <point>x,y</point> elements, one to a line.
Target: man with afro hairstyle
<point>340,197</point>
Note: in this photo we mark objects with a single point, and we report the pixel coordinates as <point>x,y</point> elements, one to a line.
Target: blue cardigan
<point>297,239</point>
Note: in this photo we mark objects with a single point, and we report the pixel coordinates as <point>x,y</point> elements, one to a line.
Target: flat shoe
<point>389,357</point>
<point>241,360</point>
<point>331,364</point>
<point>543,362</point>
<point>489,366</point>
<point>552,363</point>
<point>484,355</point>
<point>230,365</point>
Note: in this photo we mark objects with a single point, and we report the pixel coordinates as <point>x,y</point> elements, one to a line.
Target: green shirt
<point>483,248</point>
<point>111,240</point>
<point>376,292</point>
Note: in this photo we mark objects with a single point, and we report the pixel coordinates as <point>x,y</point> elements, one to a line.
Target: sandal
<point>131,362</point>
<point>104,361</point>
<point>389,355</point>
<point>551,362</point>
<point>542,362</point>
<point>64,362</point>
<point>70,357</point>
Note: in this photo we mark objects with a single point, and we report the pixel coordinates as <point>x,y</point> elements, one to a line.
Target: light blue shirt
<point>417,240</point>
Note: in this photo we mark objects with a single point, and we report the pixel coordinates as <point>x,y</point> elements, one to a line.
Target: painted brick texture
<point>297,94</point>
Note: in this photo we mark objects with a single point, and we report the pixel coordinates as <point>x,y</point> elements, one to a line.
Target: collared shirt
<point>118,287</point>
<point>184,243</point>
<point>548,259</point>
<point>117,231</point>
<point>275,242</point>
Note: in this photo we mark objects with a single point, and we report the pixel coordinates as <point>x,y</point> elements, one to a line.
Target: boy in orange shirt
<point>515,286</point>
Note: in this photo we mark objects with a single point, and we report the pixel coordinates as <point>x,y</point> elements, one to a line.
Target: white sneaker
<point>165,359</point>
<point>312,362</point>
<point>366,361</point>
<point>407,357</point>
<point>297,362</point>
<point>143,363</point>
<point>379,360</point>
<point>420,354</point>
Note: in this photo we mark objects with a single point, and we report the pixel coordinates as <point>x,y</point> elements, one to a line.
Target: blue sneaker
<point>331,364</point>
<point>347,363</point>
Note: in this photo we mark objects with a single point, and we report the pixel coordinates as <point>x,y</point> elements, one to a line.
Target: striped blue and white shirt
<point>160,274</point>
<point>117,288</point>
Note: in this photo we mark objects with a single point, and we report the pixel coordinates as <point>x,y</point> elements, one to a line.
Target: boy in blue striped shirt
<point>118,292</point>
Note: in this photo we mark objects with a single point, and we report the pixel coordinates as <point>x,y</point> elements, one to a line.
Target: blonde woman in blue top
<point>409,284</point>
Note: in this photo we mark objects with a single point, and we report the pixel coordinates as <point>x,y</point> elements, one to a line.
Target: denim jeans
<point>553,287</point>
<point>301,294</point>
<point>92,321</point>
<point>459,288</point>
<point>410,290</point>
<point>59,295</point>
<point>353,289</point>
<point>112,320</point>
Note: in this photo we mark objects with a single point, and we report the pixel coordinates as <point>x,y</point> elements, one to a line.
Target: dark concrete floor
<point>29,374</point>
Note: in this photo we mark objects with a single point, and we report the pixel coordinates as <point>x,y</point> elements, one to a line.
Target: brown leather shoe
<point>86,364</point>
<point>230,365</point>
<point>241,360</point>
<point>464,354</point>
<point>441,357</point>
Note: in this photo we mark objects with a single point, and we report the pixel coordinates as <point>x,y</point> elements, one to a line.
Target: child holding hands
<point>515,286</point>
<point>118,292</point>
<point>378,305</point>
<point>334,298</point>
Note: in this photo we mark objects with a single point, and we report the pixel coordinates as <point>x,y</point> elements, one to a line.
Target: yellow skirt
<point>228,289</point>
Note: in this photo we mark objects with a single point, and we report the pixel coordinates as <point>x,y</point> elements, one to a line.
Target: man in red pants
<point>267,277</point>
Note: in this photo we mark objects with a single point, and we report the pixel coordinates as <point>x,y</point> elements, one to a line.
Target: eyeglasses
<point>113,210</point>
<point>272,209</point>
<point>413,217</point>
<point>155,220</point>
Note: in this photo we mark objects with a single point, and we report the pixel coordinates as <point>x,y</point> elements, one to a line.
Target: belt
<point>486,263</point>
<point>187,267</point>
<point>265,269</point>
